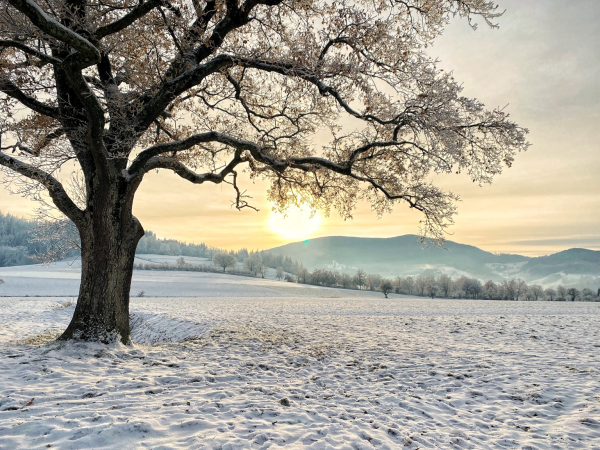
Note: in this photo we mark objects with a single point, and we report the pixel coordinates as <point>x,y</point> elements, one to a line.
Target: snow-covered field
<point>251,363</point>
<point>62,279</point>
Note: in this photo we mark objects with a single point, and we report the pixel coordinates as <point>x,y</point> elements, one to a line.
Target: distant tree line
<point>254,264</point>
<point>24,242</point>
<point>427,285</point>
<point>20,243</point>
<point>472,288</point>
<point>182,265</point>
<point>151,244</point>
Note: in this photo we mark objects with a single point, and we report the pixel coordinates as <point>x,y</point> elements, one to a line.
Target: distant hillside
<point>402,255</point>
<point>16,247</point>
<point>573,261</point>
<point>405,255</point>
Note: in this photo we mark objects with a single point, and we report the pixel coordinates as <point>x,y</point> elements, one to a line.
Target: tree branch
<point>55,189</point>
<point>10,89</point>
<point>176,86</point>
<point>136,13</point>
<point>140,163</point>
<point>180,79</point>
<point>30,51</point>
<point>162,162</point>
<point>53,28</point>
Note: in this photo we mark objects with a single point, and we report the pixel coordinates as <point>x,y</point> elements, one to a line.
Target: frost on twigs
<point>211,91</point>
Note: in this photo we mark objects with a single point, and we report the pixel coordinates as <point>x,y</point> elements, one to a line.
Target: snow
<point>250,363</point>
<point>62,279</point>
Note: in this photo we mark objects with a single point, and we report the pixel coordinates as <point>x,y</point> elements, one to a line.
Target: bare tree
<point>397,283</point>
<point>573,293</point>
<point>536,291</point>
<point>550,294</point>
<point>472,287</point>
<point>431,288</point>
<point>57,234</point>
<point>587,295</point>
<point>421,284</point>
<point>409,285</point>
<point>279,273</point>
<point>251,263</point>
<point>373,281</point>
<point>203,88</point>
<point>303,275</point>
<point>445,284</point>
<point>262,269</point>
<point>561,293</point>
<point>510,288</point>
<point>521,289</point>
<point>386,287</point>
<point>346,280</point>
<point>490,289</point>
<point>360,279</point>
<point>224,260</point>
<point>460,287</point>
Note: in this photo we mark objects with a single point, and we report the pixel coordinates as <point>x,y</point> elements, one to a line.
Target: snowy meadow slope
<point>251,363</point>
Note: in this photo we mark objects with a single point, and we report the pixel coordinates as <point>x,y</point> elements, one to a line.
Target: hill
<point>401,255</point>
<point>16,246</point>
<point>405,255</point>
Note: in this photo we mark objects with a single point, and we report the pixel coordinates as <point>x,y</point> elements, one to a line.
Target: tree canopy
<point>131,86</point>
<point>207,88</point>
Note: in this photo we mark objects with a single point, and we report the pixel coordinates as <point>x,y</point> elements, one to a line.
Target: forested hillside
<point>16,247</point>
<point>401,255</point>
<point>406,256</point>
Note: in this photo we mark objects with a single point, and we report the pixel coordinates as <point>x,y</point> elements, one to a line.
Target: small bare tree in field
<point>432,287</point>
<point>536,291</point>
<point>360,278</point>
<point>409,285</point>
<point>550,294</point>
<point>421,282</point>
<point>251,264</point>
<point>445,284</point>
<point>573,293</point>
<point>279,273</point>
<point>224,261</point>
<point>386,287</point>
<point>303,275</point>
<point>262,269</point>
<point>206,88</point>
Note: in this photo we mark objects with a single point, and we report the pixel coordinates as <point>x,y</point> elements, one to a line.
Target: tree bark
<point>107,255</point>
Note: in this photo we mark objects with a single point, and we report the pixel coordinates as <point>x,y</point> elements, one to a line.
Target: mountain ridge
<point>405,255</point>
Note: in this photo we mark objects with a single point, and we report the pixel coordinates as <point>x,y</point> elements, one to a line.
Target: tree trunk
<point>108,246</point>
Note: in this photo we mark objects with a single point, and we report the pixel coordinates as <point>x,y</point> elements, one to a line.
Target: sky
<point>542,63</point>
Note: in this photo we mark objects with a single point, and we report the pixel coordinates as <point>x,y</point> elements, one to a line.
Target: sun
<point>296,224</point>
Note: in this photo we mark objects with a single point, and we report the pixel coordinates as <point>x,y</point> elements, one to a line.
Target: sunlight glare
<point>298,224</point>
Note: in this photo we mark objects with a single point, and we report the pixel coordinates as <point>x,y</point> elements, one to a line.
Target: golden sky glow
<point>544,62</point>
<point>296,224</point>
